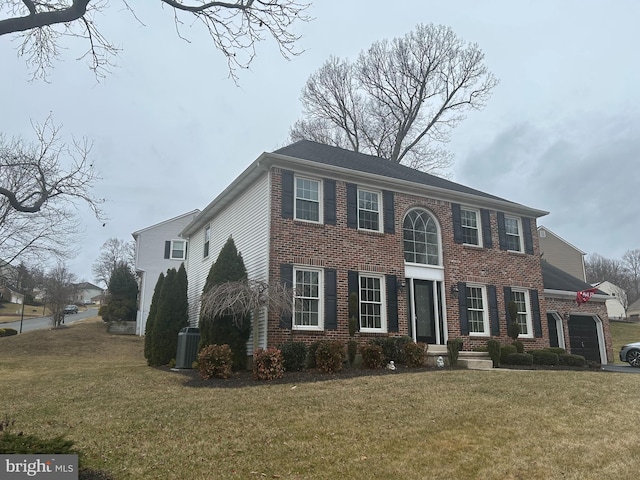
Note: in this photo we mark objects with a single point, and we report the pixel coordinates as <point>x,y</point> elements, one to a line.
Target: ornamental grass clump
<point>268,364</point>
<point>215,361</point>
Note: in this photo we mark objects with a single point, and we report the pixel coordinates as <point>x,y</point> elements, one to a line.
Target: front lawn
<point>137,422</point>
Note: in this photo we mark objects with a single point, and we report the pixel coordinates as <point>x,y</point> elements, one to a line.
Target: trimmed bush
<point>493,348</point>
<point>571,360</point>
<point>21,444</point>
<point>352,350</point>
<point>330,355</point>
<point>294,356</point>
<point>519,346</point>
<point>268,364</point>
<point>392,347</point>
<point>519,359</point>
<point>557,350</point>
<point>505,351</point>
<point>372,356</point>
<point>544,357</point>
<point>414,354</point>
<point>453,348</point>
<point>215,361</point>
<point>311,354</point>
<point>8,332</point>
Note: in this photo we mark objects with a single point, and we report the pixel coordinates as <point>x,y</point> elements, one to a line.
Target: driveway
<point>45,322</point>
<point>620,368</point>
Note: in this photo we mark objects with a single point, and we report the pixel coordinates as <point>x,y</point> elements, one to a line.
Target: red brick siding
<point>345,249</point>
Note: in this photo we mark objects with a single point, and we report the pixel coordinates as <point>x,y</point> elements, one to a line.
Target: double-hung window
<point>372,303</point>
<point>513,233</point>
<point>477,313</point>
<point>307,200</point>
<point>178,250</point>
<point>521,297</point>
<point>369,210</point>
<point>470,220</point>
<point>207,240</point>
<point>308,313</point>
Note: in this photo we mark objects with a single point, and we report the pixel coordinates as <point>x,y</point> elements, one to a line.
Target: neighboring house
<point>634,309</point>
<point>427,257</point>
<point>85,292</point>
<point>561,254</point>
<point>8,291</point>
<point>8,294</point>
<point>98,299</point>
<point>617,303</point>
<point>580,329</point>
<point>158,248</point>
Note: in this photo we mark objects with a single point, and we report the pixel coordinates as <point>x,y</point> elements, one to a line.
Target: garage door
<point>583,337</point>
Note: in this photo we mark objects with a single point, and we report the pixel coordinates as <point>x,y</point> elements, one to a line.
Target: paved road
<point>45,322</point>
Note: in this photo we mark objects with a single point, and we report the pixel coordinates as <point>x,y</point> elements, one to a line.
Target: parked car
<point>630,353</point>
<point>70,309</point>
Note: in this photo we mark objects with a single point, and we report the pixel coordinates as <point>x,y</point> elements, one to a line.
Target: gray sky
<point>171,131</point>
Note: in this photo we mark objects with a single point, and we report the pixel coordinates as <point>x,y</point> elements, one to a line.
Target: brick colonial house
<point>428,257</point>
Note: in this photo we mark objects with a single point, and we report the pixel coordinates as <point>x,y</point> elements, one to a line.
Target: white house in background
<point>561,254</point>
<point>617,304</point>
<point>85,291</point>
<point>158,248</point>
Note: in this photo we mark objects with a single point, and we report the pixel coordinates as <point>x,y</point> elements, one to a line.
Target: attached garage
<point>583,337</point>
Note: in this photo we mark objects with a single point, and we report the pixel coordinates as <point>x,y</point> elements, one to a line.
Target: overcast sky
<point>171,131</point>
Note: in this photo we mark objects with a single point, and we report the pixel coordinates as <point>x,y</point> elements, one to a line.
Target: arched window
<point>421,243</point>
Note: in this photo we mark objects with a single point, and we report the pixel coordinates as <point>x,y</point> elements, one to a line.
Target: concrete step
<point>475,363</point>
<point>470,360</point>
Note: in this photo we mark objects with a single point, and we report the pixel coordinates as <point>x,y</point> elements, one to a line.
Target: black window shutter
<point>528,238</point>
<point>507,299</point>
<point>493,310</point>
<point>352,205</point>
<point>487,242</point>
<point>167,249</point>
<point>457,222</point>
<point>286,278</point>
<point>389,212</point>
<point>354,287</point>
<point>462,304</point>
<point>502,231</point>
<point>329,201</point>
<point>330,300</point>
<point>392,303</point>
<point>287,194</point>
<point>535,313</point>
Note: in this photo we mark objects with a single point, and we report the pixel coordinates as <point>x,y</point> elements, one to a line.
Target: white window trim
<point>520,235</point>
<point>320,325</point>
<point>527,302</point>
<point>320,199</point>
<point>206,247</point>
<point>478,223</point>
<point>485,311</point>
<point>439,265</point>
<point>184,250</point>
<point>383,303</point>
<point>380,209</point>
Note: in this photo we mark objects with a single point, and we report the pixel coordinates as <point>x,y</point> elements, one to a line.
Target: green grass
<point>621,334</point>
<point>137,422</point>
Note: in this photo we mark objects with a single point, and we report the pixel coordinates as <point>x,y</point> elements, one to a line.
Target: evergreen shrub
<point>8,332</point>
<point>519,359</point>
<point>311,354</point>
<point>544,357</point>
<point>330,355</point>
<point>519,346</point>
<point>294,356</point>
<point>571,360</point>
<point>493,348</point>
<point>557,350</point>
<point>372,356</point>
<point>453,348</point>
<point>268,364</point>
<point>215,361</point>
<point>505,351</point>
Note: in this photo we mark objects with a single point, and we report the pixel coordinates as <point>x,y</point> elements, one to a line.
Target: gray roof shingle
<point>555,279</point>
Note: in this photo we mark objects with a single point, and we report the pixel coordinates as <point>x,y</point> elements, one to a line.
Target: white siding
<point>150,261</point>
<point>246,219</point>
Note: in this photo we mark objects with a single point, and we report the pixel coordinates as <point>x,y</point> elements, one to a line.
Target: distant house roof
<point>138,232</point>
<point>353,166</point>
<point>556,279</point>
<point>87,286</point>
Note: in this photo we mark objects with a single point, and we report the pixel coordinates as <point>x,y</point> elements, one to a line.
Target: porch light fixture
<point>454,290</point>
<point>403,283</point>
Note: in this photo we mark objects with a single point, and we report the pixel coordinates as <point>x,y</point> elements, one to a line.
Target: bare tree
<point>400,100</point>
<point>246,298</point>
<point>235,27</point>
<point>60,290</point>
<point>42,185</point>
<point>112,253</point>
<point>600,269</point>
<point>631,262</point>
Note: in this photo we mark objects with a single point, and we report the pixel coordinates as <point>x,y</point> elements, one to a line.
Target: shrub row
<point>8,332</point>
<point>511,355</point>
